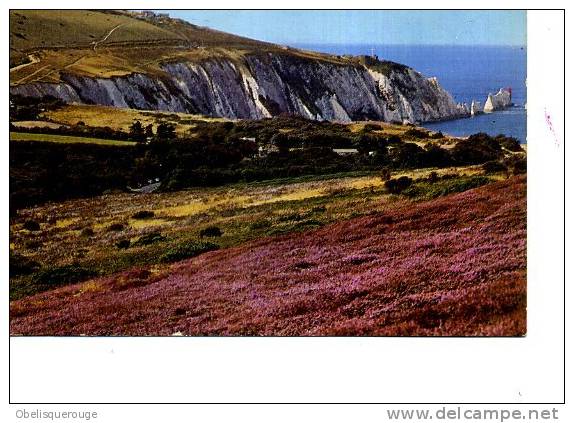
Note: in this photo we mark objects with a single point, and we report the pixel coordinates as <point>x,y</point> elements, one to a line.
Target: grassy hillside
<point>66,139</point>
<point>44,43</point>
<point>36,29</point>
<point>121,119</point>
<point>450,266</point>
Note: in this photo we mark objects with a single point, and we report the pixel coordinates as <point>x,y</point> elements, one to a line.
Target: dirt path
<point>33,59</point>
<point>106,36</point>
<point>30,75</point>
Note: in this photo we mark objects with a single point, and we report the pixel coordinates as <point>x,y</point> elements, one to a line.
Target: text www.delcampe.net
<point>461,413</point>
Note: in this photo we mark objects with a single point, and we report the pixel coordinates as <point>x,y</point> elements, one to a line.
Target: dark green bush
<point>123,244</point>
<point>477,149</point>
<point>385,174</point>
<point>368,127</point>
<point>143,214</point>
<point>187,249</point>
<point>436,156</point>
<point>416,133</point>
<point>211,231</point>
<point>31,225</point>
<point>433,177</point>
<point>21,265</point>
<point>116,227</point>
<point>48,278</point>
<point>47,171</point>
<point>396,186</point>
<point>87,232</point>
<point>510,143</point>
<point>494,166</point>
<point>148,239</point>
<point>407,155</point>
<point>517,165</point>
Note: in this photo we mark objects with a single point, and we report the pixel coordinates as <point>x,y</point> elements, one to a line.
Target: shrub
<point>143,214</point>
<point>477,149</point>
<point>368,127</point>
<point>210,231</point>
<point>435,156</point>
<point>407,155</point>
<point>165,131</point>
<point>87,232</point>
<point>46,171</point>
<point>510,143</point>
<point>116,227</point>
<point>137,131</point>
<point>148,239</point>
<point>123,244</point>
<point>517,165</point>
<point>31,225</point>
<point>396,186</point>
<point>494,166</point>
<point>52,277</point>
<point>385,174</point>
<point>416,133</point>
<point>187,249</point>
<point>21,265</point>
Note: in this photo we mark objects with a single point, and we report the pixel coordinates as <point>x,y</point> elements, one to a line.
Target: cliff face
<point>259,86</point>
<point>498,101</point>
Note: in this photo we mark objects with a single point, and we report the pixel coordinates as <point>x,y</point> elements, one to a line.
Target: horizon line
<point>402,44</point>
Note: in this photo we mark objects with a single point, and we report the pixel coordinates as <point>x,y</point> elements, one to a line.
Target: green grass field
<point>33,29</point>
<point>66,139</point>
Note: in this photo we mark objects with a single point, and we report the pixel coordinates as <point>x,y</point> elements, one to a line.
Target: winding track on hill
<point>107,35</point>
<point>33,59</point>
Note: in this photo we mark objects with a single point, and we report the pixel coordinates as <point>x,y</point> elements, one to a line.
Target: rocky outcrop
<point>498,101</point>
<point>475,108</point>
<point>265,85</point>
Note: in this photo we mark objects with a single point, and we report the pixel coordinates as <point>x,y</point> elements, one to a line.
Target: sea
<point>468,73</point>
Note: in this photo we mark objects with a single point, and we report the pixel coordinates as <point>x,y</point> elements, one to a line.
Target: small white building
<point>345,151</point>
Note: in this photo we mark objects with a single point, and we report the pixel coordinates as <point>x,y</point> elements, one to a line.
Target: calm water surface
<point>467,73</point>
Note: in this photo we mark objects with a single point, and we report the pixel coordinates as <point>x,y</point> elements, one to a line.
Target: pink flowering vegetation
<point>451,266</point>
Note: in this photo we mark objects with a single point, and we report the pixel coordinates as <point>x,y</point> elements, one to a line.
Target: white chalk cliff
<point>264,85</point>
<point>475,108</point>
<point>498,101</point>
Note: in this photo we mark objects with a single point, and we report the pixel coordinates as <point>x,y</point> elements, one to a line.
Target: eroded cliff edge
<point>256,86</point>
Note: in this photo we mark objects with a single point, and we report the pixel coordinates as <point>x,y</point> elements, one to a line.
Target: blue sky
<point>368,27</point>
